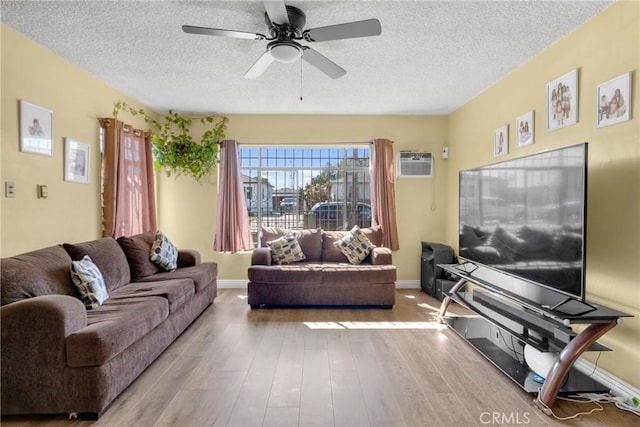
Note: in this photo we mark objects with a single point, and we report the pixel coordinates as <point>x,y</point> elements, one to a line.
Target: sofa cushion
<point>89,281</point>
<point>176,291</point>
<point>344,273</point>
<point>37,273</point>
<point>137,249</point>
<point>113,327</point>
<point>374,234</point>
<point>202,275</point>
<point>301,273</point>
<point>286,250</point>
<point>108,256</point>
<point>310,240</point>
<point>164,253</point>
<point>330,252</point>
<point>354,245</point>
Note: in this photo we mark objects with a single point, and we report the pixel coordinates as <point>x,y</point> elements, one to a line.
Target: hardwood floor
<point>325,367</point>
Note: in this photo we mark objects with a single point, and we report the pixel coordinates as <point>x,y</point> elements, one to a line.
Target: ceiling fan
<point>285,24</point>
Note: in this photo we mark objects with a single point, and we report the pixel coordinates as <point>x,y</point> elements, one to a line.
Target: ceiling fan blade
<point>259,67</point>
<point>350,30</point>
<point>323,63</point>
<point>223,33</point>
<point>277,11</point>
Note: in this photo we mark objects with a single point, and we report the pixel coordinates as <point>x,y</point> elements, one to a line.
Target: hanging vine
<point>174,149</point>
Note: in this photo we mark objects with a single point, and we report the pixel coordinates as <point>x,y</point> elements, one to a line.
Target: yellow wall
<point>427,209</point>
<point>613,227</point>
<point>71,213</point>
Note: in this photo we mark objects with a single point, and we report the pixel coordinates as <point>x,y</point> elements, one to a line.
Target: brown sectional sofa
<point>59,357</point>
<point>325,277</point>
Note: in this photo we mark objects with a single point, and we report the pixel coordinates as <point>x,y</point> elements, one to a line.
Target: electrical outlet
<point>43,191</point>
<point>9,189</point>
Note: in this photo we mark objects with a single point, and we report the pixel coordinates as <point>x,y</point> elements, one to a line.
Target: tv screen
<point>525,217</point>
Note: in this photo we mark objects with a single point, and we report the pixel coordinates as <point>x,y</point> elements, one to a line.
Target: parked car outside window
<point>331,215</point>
<point>289,204</point>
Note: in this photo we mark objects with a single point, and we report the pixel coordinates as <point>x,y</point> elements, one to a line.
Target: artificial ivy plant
<point>174,149</point>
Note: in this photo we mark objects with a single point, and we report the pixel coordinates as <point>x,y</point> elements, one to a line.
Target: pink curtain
<point>128,193</point>
<point>383,193</point>
<point>233,232</point>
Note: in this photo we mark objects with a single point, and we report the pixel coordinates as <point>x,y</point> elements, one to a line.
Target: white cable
<point>619,401</point>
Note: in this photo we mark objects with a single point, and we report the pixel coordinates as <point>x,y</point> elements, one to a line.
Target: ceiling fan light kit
<point>286,52</point>
<point>285,24</point>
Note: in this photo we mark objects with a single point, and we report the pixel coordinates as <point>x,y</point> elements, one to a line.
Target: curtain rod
<point>302,144</point>
<point>106,122</point>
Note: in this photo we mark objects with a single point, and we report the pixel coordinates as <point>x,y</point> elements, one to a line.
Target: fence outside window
<point>298,187</point>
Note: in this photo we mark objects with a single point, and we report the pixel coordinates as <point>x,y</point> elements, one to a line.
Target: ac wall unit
<point>415,164</point>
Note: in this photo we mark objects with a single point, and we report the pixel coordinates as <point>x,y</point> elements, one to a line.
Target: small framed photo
<point>77,159</point>
<point>524,129</point>
<point>613,101</point>
<point>36,129</point>
<point>501,141</point>
<point>562,101</point>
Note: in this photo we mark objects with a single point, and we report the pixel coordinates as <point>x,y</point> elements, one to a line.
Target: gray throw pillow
<point>164,253</point>
<point>88,280</point>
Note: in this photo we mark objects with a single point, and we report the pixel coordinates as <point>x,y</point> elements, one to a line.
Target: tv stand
<point>545,328</point>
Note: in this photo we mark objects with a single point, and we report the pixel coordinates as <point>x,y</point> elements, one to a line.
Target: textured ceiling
<point>431,58</point>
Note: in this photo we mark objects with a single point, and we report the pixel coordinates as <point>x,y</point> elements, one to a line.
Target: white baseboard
<point>239,284</point>
<point>615,384</point>
<point>232,284</point>
<point>407,284</point>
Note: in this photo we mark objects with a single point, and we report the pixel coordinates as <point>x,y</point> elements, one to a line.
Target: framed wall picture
<point>77,161</point>
<point>613,101</point>
<point>524,129</point>
<point>501,141</point>
<point>562,101</point>
<point>36,129</point>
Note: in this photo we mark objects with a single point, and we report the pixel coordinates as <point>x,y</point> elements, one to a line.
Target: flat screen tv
<point>522,224</point>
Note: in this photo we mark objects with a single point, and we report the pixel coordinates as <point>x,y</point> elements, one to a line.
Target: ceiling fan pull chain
<point>301,81</point>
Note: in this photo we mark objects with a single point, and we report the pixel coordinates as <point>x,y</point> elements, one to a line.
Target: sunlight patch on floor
<point>374,325</point>
<point>429,306</point>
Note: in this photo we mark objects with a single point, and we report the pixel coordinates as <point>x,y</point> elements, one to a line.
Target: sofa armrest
<point>381,256</point>
<point>188,258</point>
<point>261,256</point>
<point>34,356</point>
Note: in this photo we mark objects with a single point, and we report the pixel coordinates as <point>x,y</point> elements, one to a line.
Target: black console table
<point>545,328</point>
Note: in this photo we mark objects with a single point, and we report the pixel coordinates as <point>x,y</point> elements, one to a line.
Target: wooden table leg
<point>447,300</point>
<point>565,361</point>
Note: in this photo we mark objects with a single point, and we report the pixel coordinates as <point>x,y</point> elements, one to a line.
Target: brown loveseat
<point>325,277</point>
<point>60,357</point>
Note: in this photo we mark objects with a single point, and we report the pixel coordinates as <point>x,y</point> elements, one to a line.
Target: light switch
<point>445,152</point>
<point>9,189</point>
<point>43,191</point>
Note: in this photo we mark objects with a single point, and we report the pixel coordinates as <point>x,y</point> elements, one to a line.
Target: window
<point>298,187</point>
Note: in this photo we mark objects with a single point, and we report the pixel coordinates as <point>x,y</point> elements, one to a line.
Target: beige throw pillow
<point>354,245</point>
<point>286,250</point>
